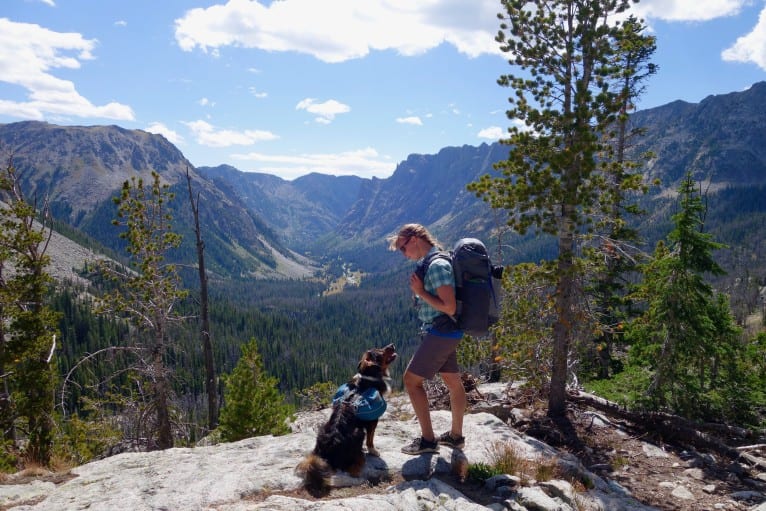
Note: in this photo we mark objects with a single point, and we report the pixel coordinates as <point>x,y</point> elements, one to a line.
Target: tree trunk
<point>562,327</point>
<point>207,345</point>
<point>6,408</point>
<point>161,404</point>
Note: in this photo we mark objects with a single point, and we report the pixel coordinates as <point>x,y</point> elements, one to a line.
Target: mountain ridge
<point>80,169</point>
<point>251,220</point>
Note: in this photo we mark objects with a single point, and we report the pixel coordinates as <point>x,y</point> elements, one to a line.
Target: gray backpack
<point>477,306</point>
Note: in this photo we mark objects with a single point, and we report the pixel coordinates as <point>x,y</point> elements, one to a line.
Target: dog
<point>354,418</point>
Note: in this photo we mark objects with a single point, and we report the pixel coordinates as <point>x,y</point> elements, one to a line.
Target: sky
<point>340,87</point>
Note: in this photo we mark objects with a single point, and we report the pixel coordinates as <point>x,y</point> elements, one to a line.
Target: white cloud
<point>688,10</point>
<point>363,162</point>
<point>325,112</point>
<point>49,2</point>
<point>750,47</point>
<point>493,133</point>
<point>160,129</point>
<point>414,120</point>
<point>207,135</point>
<point>259,95</point>
<point>121,23</point>
<point>349,28</point>
<point>28,54</point>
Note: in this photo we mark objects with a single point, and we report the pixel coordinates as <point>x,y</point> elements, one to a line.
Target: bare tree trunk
<point>207,345</point>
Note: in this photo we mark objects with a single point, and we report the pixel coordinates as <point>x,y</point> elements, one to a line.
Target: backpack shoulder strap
<point>422,268</point>
<point>341,394</point>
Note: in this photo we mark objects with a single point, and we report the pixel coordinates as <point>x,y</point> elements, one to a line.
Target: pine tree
<point>28,335</point>
<point>615,257</point>
<point>687,336</point>
<point>568,97</point>
<point>253,405</point>
<point>149,291</point>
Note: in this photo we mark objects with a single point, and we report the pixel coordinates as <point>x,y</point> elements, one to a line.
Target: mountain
<point>79,169</point>
<point>301,210</point>
<point>261,225</point>
<point>429,189</point>
<point>722,142</point>
<point>722,139</point>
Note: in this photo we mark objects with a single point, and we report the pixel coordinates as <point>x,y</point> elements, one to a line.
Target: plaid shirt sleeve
<point>439,274</point>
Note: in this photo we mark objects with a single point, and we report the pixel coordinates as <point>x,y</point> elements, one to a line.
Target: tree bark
<point>562,327</point>
<point>207,345</point>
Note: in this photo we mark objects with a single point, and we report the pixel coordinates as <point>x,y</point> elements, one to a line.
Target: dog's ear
<point>371,358</point>
<point>365,362</point>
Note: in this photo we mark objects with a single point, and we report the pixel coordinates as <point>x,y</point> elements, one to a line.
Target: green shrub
<point>480,472</point>
<point>79,441</point>
<point>253,405</point>
<point>8,459</point>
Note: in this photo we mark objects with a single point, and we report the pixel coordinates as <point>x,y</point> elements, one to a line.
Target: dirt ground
<point>669,475</point>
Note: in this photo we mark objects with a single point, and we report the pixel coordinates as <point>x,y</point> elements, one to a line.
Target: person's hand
<point>416,285</point>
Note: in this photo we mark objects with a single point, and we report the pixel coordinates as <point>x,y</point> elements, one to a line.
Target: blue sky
<point>332,86</point>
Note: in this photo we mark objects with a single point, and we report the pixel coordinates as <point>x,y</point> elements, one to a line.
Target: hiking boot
<point>420,446</point>
<point>451,441</point>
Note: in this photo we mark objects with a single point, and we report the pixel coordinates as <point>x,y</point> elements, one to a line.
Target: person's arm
<point>444,300</point>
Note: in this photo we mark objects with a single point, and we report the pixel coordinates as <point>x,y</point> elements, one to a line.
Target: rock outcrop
<point>258,474</point>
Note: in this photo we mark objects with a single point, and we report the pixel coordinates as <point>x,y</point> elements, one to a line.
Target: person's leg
<point>430,356</point>
<point>451,375</point>
<point>419,399</point>
<point>457,401</point>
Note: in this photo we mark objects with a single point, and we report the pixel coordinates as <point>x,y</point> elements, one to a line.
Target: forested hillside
<point>303,337</point>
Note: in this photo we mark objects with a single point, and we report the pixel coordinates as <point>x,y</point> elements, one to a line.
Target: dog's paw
<point>373,452</point>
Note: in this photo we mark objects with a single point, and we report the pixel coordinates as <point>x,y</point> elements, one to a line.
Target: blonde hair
<point>412,231</point>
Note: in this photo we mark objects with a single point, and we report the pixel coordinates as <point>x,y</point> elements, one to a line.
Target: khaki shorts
<point>435,355</point>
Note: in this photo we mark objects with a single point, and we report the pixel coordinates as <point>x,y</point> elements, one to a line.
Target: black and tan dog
<point>355,413</point>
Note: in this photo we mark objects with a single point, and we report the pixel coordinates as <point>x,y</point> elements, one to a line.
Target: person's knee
<point>412,381</point>
<point>453,382</point>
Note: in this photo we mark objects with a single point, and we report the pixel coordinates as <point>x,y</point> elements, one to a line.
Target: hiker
<point>437,353</point>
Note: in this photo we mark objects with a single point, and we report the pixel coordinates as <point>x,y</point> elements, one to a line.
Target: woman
<point>433,284</point>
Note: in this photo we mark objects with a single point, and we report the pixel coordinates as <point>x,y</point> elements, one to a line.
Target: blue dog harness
<point>368,405</point>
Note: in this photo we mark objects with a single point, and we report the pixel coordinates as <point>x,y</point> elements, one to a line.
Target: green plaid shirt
<point>439,274</point>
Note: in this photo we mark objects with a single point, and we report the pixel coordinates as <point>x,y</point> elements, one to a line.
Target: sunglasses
<point>404,245</point>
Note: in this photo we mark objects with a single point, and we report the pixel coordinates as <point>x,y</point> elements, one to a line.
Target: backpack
<point>474,290</point>
<point>368,405</point>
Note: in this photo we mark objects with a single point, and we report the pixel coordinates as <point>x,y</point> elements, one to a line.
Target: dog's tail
<point>316,474</point>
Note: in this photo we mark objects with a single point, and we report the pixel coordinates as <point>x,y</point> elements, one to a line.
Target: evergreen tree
<point>615,257</point>
<point>568,97</point>
<point>686,336</point>
<point>148,292</point>
<point>27,323</point>
<point>253,405</point>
